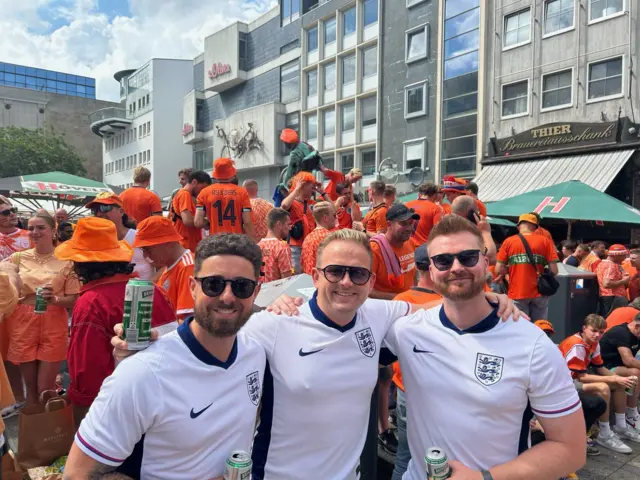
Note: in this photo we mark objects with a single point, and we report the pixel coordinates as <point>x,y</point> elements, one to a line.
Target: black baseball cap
<point>422,257</point>
<point>401,212</point>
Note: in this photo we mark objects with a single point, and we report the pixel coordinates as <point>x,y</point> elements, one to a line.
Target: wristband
<point>486,475</point>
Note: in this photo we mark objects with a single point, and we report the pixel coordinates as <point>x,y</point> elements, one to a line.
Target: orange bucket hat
<point>289,135</point>
<point>304,177</point>
<point>545,325</point>
<point>106,198</point>
<point>94,240</point>
<point>223,169</point>
<point>155,230</point>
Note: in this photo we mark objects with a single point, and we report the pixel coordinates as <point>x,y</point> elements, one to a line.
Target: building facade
<point>31,78</point>
<point>145,128</point>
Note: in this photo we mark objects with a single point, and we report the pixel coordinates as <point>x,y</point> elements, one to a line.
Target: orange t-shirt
<point>259,210</point>
<point>610,271</point>
<point>620,316</point>
<point>11,243</point>
<point>481,207</point>
<point>175,281</point>
<point>301,211</point>
<point>430,214</point>
<point>276,259</point>
<point>579,355</point>
<point>140,203</point>
<point>405,255</point>
<point>344,215</point>
<point>224,204</point>
<point>375,221</point>
<point>310,249</point>
<point>182,201</point>
<point>631,270</point>
<point>446,208</point>
<point>590,262</point>
<point>334,179</point>
<point>544,232</point>
<point>522,279</point>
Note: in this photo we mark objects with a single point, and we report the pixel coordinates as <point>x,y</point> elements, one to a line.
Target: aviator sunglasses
<point>467,258</point>
<point>335,273</point>
<point>213,286</point>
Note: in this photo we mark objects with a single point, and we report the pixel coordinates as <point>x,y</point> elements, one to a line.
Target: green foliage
<point>24,152</point>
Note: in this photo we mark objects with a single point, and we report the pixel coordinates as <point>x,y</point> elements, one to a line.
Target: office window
<point>312,83</point>
<point>415,100</point>
<point>558,15</point>
<point>149,127</point>
<point>290,82</point>
<point>329,122</point>
<point>348,117</point>
<point>515,98</point>
<point>368,111</point>
<point>148,99</point>
<point>414,154</point>
<point>368,162</point>
<point>346,162</point>
<point>370,62</point>
<point>144,129</point>
<point>139,103</point>
<point>292,121</point>
<point>605,79</point>
<point>312,126</point>
<point>416,44</point>
<point>148,156</point>
<point>330,31</point>
<point>370,13</point>
<point>348,69</point>
<point>349,21</point>
<point>556,89</point>
<point>290,10</point>
<point>312,39</point>
<point>135,159</point>
<point>517,28</point>
<point>604,8</point>
<point>330,76</point>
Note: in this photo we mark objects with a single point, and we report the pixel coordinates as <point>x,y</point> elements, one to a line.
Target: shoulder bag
<point>547,283</point>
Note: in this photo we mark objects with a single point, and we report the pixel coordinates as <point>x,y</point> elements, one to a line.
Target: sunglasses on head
<point>102,208</point>
<point>213,286</point>
<point>9,211</point>
<point>335,273</point>
<point>467,258</point>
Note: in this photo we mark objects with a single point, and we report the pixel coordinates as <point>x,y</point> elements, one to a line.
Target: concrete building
<point>145,129</point>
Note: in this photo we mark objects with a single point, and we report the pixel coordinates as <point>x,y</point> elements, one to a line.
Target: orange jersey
<point>345,219</point>
<point>620,316</point>
<point>334,179</point>
<point>375,221</point>
<point>544,232</point>
<point>183,201</point>
<point>140,203</point>
<point>430,214</point>
<point>300,211</point>
<point>522,277</point>
<point>310,249</point>
<point>405,255</point>
<point>11,243</point>
<point>224,204</point>
<point>175,281</point>
<point>590,262</point>
<point>259,210</point>
<point>579,355</point>
<point>607,270</point>
<point>481,207</point>
<point>276,259</point>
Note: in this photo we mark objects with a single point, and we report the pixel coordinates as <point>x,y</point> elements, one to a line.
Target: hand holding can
<point>630,390</point>
<point>43,295</point>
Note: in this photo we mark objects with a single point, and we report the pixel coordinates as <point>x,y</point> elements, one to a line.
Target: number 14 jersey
<point>224,204</point>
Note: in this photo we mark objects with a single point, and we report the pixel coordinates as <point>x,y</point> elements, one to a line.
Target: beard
<point>219,326</point>
<point>448,290</point>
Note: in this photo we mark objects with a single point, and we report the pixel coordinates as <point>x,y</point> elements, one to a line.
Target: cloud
<point>74,36</point>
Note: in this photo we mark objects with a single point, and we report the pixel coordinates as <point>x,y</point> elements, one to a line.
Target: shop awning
<point>505,180</point>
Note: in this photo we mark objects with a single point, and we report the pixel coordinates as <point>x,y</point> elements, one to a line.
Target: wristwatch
<point>486,475</point>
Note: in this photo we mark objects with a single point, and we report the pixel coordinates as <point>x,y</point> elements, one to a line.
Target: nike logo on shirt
<point>416,350</point>
<point>304,354</point>
<point>197,414</point>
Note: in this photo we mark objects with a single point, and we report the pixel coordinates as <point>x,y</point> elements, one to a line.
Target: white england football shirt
<point>317,390</point>
<point>181,409</point>
<point>473,392</point>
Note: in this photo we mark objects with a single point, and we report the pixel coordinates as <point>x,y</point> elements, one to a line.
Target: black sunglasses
<point>335,273</point>
<point>9,211</point>
<point>102,208</point>
<point>467,258</point>
<point>213,286</point>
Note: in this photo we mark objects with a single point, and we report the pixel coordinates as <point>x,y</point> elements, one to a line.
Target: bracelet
<point>486,475</point>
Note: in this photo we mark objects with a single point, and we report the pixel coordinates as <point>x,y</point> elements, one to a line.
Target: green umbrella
<point>569,201</point>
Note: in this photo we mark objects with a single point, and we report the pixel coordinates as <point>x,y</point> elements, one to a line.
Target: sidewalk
<point>613,466</point>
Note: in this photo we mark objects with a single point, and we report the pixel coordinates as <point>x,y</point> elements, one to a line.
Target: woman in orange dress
<point>39,341</point>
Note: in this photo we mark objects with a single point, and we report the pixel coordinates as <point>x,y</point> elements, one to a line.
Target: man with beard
<point>177,409</point>
<point>469,376</point>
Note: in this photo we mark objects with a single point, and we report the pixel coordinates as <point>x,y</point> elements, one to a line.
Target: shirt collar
<point>423,290</point>
<point>200,352</point>
<point>484,325</point>
<point>323,318</point>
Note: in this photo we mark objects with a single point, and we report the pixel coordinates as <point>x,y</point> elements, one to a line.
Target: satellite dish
<point>416,176</point>
<point>388,171</point>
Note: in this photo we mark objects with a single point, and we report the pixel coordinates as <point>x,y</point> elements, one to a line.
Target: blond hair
<point>321,209</point>
<point>141,175</point>
<point>345,235</point>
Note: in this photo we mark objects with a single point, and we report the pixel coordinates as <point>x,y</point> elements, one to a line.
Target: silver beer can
<point>437,464</point>
<point>238,466</point>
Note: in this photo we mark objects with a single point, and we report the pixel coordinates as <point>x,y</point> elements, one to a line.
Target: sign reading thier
<point>555,136</point>
<point>218,69</point>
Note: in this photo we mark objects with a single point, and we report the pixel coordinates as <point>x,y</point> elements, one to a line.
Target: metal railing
<point>109,112</point>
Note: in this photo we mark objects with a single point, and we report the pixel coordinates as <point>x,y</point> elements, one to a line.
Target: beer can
<point>238,466</point>
<point>437,464</point>
<point>138,307</point>
<point>41,303</point>
<point>631,391</point>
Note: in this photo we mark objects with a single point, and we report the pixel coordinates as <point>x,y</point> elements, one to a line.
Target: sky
<point>97,38</point>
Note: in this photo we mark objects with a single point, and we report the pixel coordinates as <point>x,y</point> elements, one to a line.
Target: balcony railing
<point>107,120</point>
<point>107,113</point>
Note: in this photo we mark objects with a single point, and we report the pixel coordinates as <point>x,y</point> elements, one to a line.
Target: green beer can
<point>238,466</point>
<point>138,308</point>
<point>41,304</point>
<point>437,464</point>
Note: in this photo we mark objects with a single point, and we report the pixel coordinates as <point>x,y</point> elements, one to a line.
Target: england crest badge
<point>253,387</point>
<point>489,368</point>
<point>366,342</point>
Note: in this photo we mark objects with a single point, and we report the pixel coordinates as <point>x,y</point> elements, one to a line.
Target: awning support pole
<point>568,229</point>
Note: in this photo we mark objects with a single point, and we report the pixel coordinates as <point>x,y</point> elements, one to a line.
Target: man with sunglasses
<point>469,376</point>
<point>178,408</point>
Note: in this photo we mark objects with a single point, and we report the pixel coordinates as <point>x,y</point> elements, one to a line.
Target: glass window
<point>290,82</point>
<point>462,44</point>
<point>292,121</point>
<point>80,88</point>
<point>369,162</point>
<point>71,78</point>
<point>348,117</point>
<point>348,69</point>
<point>81,80</point>
<point>415,100</point>
<point>558,15</point>
<point>31,81</point>
<point>41,73</point>
<point>370,12</point>
<point>605,78</point>
<point>515,98</point>
<point>330,31</point>
<point>312,126</point>
<point>61,77</point>
<point>21,79</point>
<point>517,28</point>
<point>417,44</point>
<point>604,8</point>
<point>453,8</point>
<point>312,39</point>
<point>330,77</point>
<point>51,75</point>
<point>329,161</point>
<point>556,89</point>
<point>368,111</point>
<point>20,70</point>
<point>9,68</point>
<point>349,19</point>
<point>413,154</point>
<point>456,127</point>
<point>460,65</point>
<point>459,147</point>
<point>370,62</point>
<point>312,83</point>
<point>346,162</point>
<point>91,82</point>
<point>329,122</point>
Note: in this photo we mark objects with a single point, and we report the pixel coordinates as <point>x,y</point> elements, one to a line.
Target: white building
<point>146,128</point>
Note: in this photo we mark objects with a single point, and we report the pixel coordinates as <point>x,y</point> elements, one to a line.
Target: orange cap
<point>94,240</point>
<point>617,249</point>
<point>155,230</point>
<point>106,198</point>
<point>304,177</point>
<point>223,169</point>
<point>545,325</point>
<point>289,135</point>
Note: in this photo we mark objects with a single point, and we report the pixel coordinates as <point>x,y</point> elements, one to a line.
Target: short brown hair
<point>452,224</point>
<point>428,189</point>
<point>185,171</point>
<point>321,209</point>
<point>345,235</point>
<point>141,175</point>
<point>377,187</point>
<point>389,191</point>
<point>276,215</point>
<point>586,247</point>
<point>595,321</point>
<point>341,187</point>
